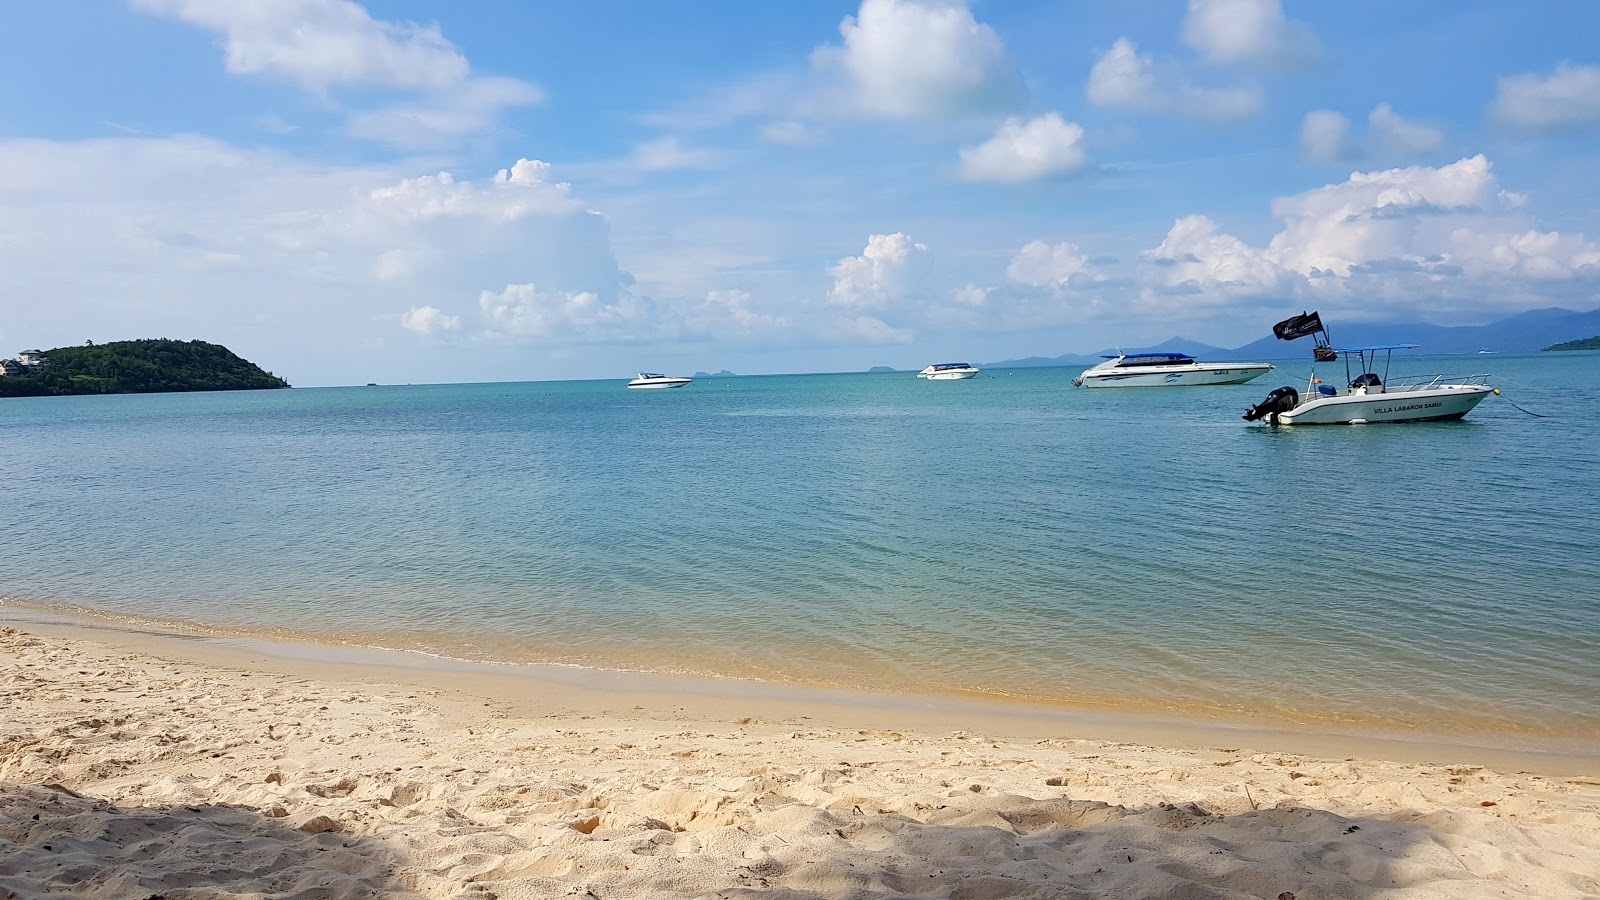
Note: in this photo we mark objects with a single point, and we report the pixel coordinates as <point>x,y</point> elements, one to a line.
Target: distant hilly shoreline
<point>1528,332</point>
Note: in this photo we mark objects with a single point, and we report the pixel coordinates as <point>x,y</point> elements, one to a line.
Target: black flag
<point>1298,326</point>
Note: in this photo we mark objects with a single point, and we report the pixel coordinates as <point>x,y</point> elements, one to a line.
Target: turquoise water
<point>1009,536</point>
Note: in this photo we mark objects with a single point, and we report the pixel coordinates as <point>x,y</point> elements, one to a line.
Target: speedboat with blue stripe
<point>949,371</point>
<point>1166,370</point>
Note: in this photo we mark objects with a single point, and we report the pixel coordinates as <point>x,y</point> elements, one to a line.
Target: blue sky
<point>414,192</point>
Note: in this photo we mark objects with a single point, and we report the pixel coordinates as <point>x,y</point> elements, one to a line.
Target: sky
<point>494,190</point>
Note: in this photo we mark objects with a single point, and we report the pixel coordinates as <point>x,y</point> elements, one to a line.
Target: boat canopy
<point>651,375</point>
<point>952,365</point>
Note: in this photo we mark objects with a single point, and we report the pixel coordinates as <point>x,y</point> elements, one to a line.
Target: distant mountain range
<point>1527,332</point>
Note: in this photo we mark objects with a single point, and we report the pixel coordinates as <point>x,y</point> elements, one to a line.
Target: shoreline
<point>586,691</point>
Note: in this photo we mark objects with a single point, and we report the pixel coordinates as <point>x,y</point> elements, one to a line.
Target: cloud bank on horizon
<point>346,197</point>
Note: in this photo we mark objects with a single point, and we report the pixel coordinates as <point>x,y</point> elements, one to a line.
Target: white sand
<point>137,767</point>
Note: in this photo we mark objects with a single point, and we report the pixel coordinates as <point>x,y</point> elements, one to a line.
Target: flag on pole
<point>1298,326</point>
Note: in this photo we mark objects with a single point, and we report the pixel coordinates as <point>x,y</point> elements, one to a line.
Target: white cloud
<point>327,44</point>
<point>1039,264</point>
<point>524,189</point>
<point>876,277</point>
<point>523,310</point>
<point>787,132</point>
<point>442,117</point>
<point>922,58</point>
<point>730,311</point>
<point>1195,257</point>
<point>667,154</point>
<point>1123,77</point>
<point>871,330</point>
<point>1567,98</point>
<point>1416,238</point>
<point>1325,136</point>
<point>321,43</point>
<point>1248,32</point>
<point>971,295</point>
<point>1026,151</point>
<point>428,321</point>
<point>1396,136</point>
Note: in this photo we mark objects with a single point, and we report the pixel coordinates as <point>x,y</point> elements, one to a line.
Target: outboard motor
<point>1280,400</point>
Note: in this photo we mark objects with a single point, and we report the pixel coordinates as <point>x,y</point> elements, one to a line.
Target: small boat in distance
<point>657,380</point>
<point>949,371</point>
<point>1163,369</point>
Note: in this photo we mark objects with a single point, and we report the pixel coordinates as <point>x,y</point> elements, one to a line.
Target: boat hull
<point>961,375</point>
<point>1188,375</point>
<point>1436,404</point>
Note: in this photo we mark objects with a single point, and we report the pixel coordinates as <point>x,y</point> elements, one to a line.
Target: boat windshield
<point>1152,359</point>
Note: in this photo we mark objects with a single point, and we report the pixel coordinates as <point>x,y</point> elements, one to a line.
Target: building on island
<point>26,363</point>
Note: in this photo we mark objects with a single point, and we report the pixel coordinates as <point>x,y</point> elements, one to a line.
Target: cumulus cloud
<point>1419,236</point>
<point>428,321</point>
<point>1039,264</point>
<point>1248,32</point>
<point>876,278</point>
<point>1196,257</point>
<point>921,59</point>
<point>1569,97</point>
<point>1026,151</point>
<point>523,310</point>
<point>1123,77</point>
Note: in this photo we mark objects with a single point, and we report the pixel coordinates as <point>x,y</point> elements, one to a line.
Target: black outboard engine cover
<point>1279,401</point>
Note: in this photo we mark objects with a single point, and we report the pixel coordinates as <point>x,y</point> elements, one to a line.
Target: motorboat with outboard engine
<point>949,371</point>
<point>1370,398</point>
<point>1163,369</point>
<point>657,380</point>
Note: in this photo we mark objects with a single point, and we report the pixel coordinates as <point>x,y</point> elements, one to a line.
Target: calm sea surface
<point>1013,536</point>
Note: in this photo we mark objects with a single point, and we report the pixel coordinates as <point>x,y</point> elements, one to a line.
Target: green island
<point>131,367</point>
<point>1584,344</point>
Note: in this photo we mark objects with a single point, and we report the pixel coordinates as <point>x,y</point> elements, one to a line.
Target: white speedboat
<point>655,380</point>
<point>1162,369</point>
<point>1371,399</point>
<point>948,371</point>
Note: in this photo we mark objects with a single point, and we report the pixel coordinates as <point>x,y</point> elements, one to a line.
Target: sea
<point>1007,538</point>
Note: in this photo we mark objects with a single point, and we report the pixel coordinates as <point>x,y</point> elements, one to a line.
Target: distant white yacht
<point>1160,369</point>
<point>948,371</point>
<point>657,380</point>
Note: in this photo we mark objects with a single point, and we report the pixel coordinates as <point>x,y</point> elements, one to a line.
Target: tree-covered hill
<point>1585,344</point>
<point>140,367</point>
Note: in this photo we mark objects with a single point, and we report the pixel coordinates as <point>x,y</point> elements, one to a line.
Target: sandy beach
<point>142,766</point>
